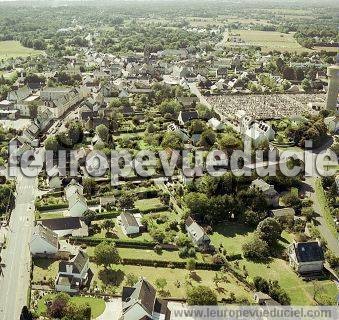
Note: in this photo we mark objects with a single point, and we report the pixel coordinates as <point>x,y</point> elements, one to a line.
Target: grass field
<point>97,305</point>
<point>233,236</point>
<point>176,280</point>
<point>131,253</point>
<point>323,204</point>
<point>300,292</point>
<point>271,40</point>
<point>148,204</point>
<point>13,49</point>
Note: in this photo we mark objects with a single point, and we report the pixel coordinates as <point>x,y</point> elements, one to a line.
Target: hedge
<point>93,202</point>
<point>120,243</point>
<point>108,215</point>
<point>48,207</point>
<point>158,209</point>
<point>172,264</point>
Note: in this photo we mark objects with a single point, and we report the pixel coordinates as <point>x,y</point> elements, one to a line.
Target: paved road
<point>15,282</point>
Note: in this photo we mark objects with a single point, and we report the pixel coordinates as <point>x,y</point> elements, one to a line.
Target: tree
<point>108,224</point>
<point>131,279</point>
<point>255,248</point>
<point>126,201</point>
<point>252,218</point>
<point>172,140</point>
<point>201,296</point>
<point>306,85</point>
<point>103,132</point>
<point>51,143</point>
<point>288,73</point>
<point>229,142</point>
<point>291,200</point>
<point>261,284</point>
<point>191,264</point>
<point>332,259</point>
<point>197,126</point>
<point>106,254</point>
<point>169,106</point>
<point>89,216</point>
<point>269,230</point>
<point>89,185</point>
<point>208,138</point>
<point>308,213</point>
<point>115,103</point>
<point>161,283</point>
<point>58,306</point>
<point>75,132</point>
<point>33,110</point>
<point>157,234</point>
<point>197,203</point>
<point>26,314</point>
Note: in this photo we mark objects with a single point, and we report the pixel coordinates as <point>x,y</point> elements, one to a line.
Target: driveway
<point>112,311</point>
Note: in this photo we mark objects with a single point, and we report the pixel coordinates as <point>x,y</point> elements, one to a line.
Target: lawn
<point>131,253</point>
<point>97,305</point>
<point>231,235</point>
<point>13,49</point>
<point>148,204</point>
<point>176,280</point>
<point>323,204</point>
<point>119,234</point>
<point>300,292</point>
<point>44,270</point>
<point>271,40</point>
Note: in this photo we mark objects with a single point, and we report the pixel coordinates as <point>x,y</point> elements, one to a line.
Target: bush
<point>219,259</point>
<point>256,249</point>
<point>332,259</point>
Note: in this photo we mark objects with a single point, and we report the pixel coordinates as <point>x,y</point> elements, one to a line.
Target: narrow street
<point>16,257</point>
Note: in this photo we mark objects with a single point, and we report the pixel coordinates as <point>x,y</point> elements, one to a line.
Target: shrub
<point>256,249</point>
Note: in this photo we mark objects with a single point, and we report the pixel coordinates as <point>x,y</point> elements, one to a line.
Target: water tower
<point>333,85</point>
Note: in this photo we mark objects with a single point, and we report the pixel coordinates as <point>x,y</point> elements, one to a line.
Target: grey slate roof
<point>62,223</point>
<point>78,263</point>
<point>309,251</point>
<point>128,219</point>
<point>47,234</point>
<point>143,293</point>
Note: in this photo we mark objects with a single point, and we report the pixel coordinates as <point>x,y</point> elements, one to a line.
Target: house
<point>43,241</point>
<point>96,164</point>
<point>186,116</point>
<point>172,127</point>
<point>54,178</point>
<point>77,204</point>
<point>107,202</point>
<point>306,257</point>
<point>259,132</point>
<point>140,302</point>
<point>283,213</point>
<point>264,299</point>
<point>59,100</point>
<point>271,195</point>
<point>73,187</point>
<point>188,102</point>
<point>215,124</point>
<point>130,223</point>
<point>69,226</point>
<point>197,233</point>
<point>73,274</point>
<point>18,95</point>
<point>221,72</point>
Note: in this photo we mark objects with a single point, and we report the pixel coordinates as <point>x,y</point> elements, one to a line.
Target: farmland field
<point>271,40</point>
<point>13,49</point>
